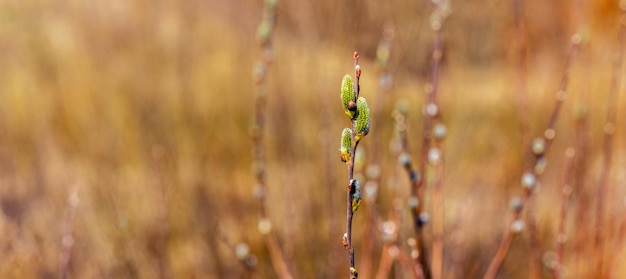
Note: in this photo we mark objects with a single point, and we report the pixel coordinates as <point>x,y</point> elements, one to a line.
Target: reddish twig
<point>539,146</point>
<point>391,249</point>
<point>433,138</point>
<point>566,194</point>
<point>524,122</point>
<point>67,241</point>
<point>373,169</point>
<point>621,238</point>
<point>241,251</point>
<point>264,33</point>
<point>522,66</point>
<point>609,130</point>
<point>584,193</point>
<point>420,252</point>
<point>347,240</point>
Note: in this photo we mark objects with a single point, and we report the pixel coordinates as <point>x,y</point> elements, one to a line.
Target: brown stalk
<point>438,215</point>
<point>241,251</point>
<point>432,150</point>
<point>355,143</point>
<point>565,200</point>
<point>535,169</point>
<point>431,117</point>
<point>420,253</point>
<point>265,31</point>
<point>607,147</point>
<point>621,237</point>
<point>373,172</point>
<point>522,66</point>
<point>416,203</point>
<point>67,241</point>
<point>391,250</point>
<point>386,261</point>
<point>524,122</point>
<point>580,185</point>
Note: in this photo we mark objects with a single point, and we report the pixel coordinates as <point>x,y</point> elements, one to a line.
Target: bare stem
<point>522,87</point>
<point>566,194</point>
<point>355,143</point>
<point>391,249</point>
<point>434,153</point>
<point>524,122</point>
<point>536,169</point>
<point>609,130</point>
<point>240,250</point>
<point>67,241</point>
<point>373,171</point>
<point>265,31</point>
<point>421,252</point>
<point>584,193</point>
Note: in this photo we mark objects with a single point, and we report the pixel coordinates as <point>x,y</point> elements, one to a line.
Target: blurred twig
<point>391,250</point>
<point>522,66</point>
<point>607,148</point>
<point>264,35</point>
<point>242,252</point>
<point>352,183</point>
<point>583,192</point>
<point>163,227</point>
<point>540,147</point>
<point>524,122</point>
<point>434,133</point>
<point>67,240</point>
<point>566,193</point>
<point>373,169</point>
<point>420,252</point>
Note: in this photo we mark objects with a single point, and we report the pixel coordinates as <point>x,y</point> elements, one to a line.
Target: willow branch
<point>373,170</point>
<point>264,33</point>
<point>540,147</point>
<point>67,241</point>
<point>565,200</point>
<point>607,148</point>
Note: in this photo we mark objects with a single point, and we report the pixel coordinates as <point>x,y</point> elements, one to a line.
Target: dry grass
<point>145,108</point>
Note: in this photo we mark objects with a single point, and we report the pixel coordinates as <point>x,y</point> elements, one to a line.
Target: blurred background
<point>124,145</point>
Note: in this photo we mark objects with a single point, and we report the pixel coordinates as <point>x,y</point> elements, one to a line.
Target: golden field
<point>124,135</point>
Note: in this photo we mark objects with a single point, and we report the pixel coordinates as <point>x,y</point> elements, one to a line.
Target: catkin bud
<point>362,119</point>
<point>346,145</point>
<point>347,96</point>
<point>353,273</point>
<point>356,194</point>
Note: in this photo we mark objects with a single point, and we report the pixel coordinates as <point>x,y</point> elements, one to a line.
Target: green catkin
<point>362,119</point>
<point>346,145</point>
<point>347,96</point>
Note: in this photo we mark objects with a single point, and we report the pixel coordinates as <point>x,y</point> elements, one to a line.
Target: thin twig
<point>420,253</point>
<point>609,131</point>
<point>391,250</point>
<point>524,122</point>
<point>373,170</point>
<point>241,251</point>
<point>583,192</point>
<point>522,66</point>
<point>540,147</point>
<point>561,237</point>
<point>67,241</point>
<point>431,115</point>
<point>264,33</point>
<point>621,238</point>
<point>433,154</point>
<point>351,182</point>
